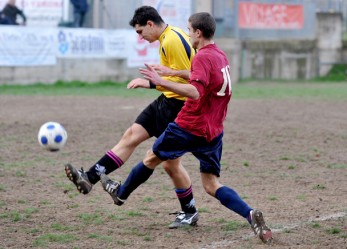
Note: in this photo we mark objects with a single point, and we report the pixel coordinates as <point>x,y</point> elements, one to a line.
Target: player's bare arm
<point>166,71</point>
<point>186,90</point>
<point>138,83</point>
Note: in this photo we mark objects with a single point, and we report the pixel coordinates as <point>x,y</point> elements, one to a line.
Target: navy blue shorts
<point>175,142</point>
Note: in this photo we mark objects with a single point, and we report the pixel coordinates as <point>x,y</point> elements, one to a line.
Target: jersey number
<point>227,81</point>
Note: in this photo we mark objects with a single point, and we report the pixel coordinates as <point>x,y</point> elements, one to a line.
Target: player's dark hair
<point>204,22</point>
<point>144,14</point>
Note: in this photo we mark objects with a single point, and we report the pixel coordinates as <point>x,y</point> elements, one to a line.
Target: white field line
<point>223,243</point>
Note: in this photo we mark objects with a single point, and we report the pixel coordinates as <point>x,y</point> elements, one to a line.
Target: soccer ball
<point>52,136</point>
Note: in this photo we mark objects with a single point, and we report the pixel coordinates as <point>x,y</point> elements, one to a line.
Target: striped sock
<point>185,196</point>
<point>107,164</point>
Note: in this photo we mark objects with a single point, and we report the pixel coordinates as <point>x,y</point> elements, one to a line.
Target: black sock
<point>107,164</point>
<point>138,175</point>
<point>185,196</point>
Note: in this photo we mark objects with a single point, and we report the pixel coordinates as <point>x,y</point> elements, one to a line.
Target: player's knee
<point>173,167</point>
<point>211,187</point>
<point>151,160</point>
<point>130,137</point>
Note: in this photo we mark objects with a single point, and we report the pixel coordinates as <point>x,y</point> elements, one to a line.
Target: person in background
<point>80,9</point>
<point>9,14</point>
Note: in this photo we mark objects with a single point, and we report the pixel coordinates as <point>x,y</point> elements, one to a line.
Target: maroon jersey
<point>210,74</point>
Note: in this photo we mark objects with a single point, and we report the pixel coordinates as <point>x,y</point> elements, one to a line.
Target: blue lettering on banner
<point>77,44</point>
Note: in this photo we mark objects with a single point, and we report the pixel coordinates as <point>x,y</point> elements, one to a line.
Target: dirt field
<point>285,157</point>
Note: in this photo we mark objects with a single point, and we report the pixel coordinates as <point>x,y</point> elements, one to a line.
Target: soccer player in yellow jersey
<point>176,53</point>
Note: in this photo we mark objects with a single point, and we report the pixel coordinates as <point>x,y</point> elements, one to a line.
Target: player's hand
<point>150,74</point>
<point>138,83</point>
<point>162,70</point>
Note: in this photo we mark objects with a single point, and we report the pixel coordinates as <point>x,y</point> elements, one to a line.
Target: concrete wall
<point>287,60</point>
<point>295,59</point>
<point>92,70</point>
<point>329,40</point>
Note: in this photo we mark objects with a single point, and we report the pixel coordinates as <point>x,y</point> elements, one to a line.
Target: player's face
<point>193,36</point>
<point>145,32</point>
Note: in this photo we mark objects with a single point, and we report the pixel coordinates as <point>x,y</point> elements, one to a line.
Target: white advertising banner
<point>92,43</point>
<point>23,46</point>
<point>40,13</point>
<point>141,51</point>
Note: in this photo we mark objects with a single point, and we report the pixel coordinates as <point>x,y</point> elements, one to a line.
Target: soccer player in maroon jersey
<point>198,127</point>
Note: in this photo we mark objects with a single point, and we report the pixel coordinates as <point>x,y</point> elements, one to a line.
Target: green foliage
<point>337,73</point>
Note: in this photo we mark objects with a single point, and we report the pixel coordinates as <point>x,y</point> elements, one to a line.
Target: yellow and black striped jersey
<point>177,53</point>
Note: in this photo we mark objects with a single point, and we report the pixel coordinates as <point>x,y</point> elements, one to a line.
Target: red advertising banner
<point>270,16</point>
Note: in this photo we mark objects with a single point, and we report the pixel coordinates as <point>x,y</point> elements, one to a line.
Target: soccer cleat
<point>79,178</point>
<point>184,219</point>
<point>111,187</point>
<point>259,227</point>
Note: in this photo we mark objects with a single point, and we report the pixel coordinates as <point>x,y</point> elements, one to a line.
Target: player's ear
<point>150,23</point>
<point>199,32</point>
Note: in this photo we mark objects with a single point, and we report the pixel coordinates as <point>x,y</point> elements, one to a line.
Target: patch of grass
<point>301,159</point>
<point>337,166</point>
<point>147,199</point>
<point>285,90</point>
<point>273,198</point>
<point>245,163</point>
<point>21,173</point>
<point>46,239</point>
<point>301,197</point>
<point>204,210</point>
<point>333,230</point>
<point>100,237</point>
<point>60,227</point>
<point>134,213</point>
<point>315,225</point>
<point>123,242</point>
<point>2,203</point>
<point>60,88</point>
<point>242,90</point>
<point>291,166</point>
<point>116,217</point>
<point>234,225</point>
<point>319,187</point>
<point>2,188</point>
<point>285,158</point>
<point>90,218</point>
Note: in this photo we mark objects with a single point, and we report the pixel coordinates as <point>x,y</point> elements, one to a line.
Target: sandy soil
<point>285,157</point>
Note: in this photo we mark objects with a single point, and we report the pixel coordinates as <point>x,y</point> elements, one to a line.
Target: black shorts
<point>157,115</point>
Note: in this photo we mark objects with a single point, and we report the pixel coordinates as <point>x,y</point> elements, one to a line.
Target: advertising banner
<point>92,43</point>
<point>23,46</point>
<point>270,16</point>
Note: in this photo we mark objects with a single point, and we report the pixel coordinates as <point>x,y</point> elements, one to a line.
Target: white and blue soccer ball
<point>52,136</point>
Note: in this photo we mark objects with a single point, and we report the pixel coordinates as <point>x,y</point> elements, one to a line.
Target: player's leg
<point>112,160</point>
<point>183,188</point>
<point>209,156</point>
<point>142,129</point>
<point>138,175</point>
